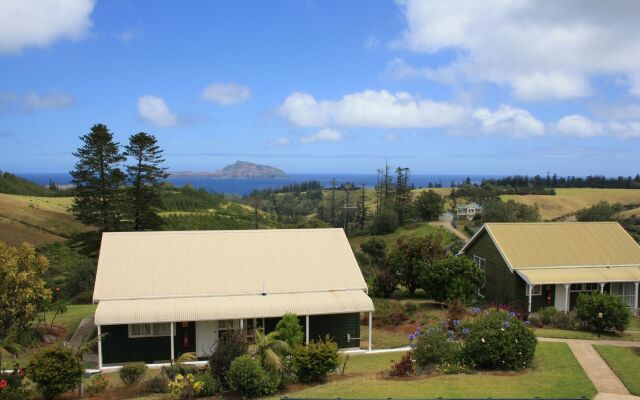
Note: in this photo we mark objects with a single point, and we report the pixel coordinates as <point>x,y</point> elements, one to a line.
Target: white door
<point>206,337</point>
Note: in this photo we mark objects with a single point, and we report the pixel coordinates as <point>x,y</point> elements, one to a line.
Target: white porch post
<point>566,297</point>
<point>173,340</point>
<point>370,328</point>
<point>306,330</point>
<point>242,324</point>
<point>530,290</point>
<point>601,287</point>
<point>635,300</point>
<point>100,345</point>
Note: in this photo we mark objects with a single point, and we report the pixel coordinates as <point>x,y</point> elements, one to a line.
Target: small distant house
<point>468,211</point>
<point>161,294</point>
<point>550,264</point>
<point>445,216</point>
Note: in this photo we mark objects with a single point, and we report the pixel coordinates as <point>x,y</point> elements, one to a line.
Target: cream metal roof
<point>192,275</point>
<point>562,244</point>
<point>114,312</point>
<point>543,276</point>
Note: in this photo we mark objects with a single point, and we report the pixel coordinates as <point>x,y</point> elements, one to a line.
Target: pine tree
<point>98,180</point>
<point>144,176</point>
<point>333,201</point>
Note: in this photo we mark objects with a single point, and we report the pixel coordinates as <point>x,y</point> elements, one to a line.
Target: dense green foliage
<point>314,361</point>
<point>384,222</point>
<point>603,211</point>
<point>187,198</point>
<point>453,278</point>
<point>55,370</point>
<point>429,205</point>
<point>434,346</point>
<point>600,312</point>
<point>554,181</point>
<point>497,340</point>
<point>289,330</point>
<point>411,258</point>
<point>13,184</point>
<point>231,345</point>
<point>71,271</point>
<point>509,211</point>
<point>248,378</point>
<point>132,373</point>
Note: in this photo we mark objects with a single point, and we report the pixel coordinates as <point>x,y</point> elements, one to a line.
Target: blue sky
<point>327,86</point>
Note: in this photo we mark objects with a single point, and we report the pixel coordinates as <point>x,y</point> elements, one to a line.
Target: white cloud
<point>579,126</point>
<point>537,50</point>
<point>324,135</point>
<point>281,141</point>
<point>370,109</point>
<point>392,137</point>
<point>226,94</point>
<point>25,23</point>
<point>13,102</point>
<point>508,121</point>
<point>154,111</point>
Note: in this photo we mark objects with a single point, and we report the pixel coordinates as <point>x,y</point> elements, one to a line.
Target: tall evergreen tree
<point>402,200</point>
<point>99,181</point>
<point>143,177</point>
<point>333,201</point>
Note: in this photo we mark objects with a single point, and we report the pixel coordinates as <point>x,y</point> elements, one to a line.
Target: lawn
<point>568,201</point>
<point>556,374</point>
<point>625,362</point>
<point>578,334</point>
<point>383,338</point>
<point>70,320</point>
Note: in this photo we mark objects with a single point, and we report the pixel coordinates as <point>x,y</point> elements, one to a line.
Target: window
<point>585,287</point>
<point>224,325</point>
<point>537,290</point>
<point>480,262</point>
<point>626,291</point>
<point>149,330</point>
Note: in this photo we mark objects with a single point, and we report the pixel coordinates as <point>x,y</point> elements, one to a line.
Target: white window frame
<point>154,328</point>
<point>537,290</point>
<point>480,262</point>
<point>583,287</point>
<point>626,291</point>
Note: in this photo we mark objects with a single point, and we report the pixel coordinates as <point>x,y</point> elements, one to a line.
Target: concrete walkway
<point>447,225</point>
<point>83,332</point>
<point>609,386</point>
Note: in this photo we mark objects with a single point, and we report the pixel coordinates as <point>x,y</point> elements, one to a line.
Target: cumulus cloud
<point>620,124</point>
<point>324,135</point>
<point>226,94</point>
<point>26,23</point>
<point>579,126</point>
<point>13,102</point>
<point>539,51</point>
<point>370,109</point>
<point>154,111</point>
<point>508,121</point>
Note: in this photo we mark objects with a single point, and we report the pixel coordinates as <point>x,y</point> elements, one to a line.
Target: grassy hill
<point>38,220</point>
<point>418,229</point>
<point>568,201</point>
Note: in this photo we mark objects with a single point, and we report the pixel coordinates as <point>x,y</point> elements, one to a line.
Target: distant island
<point>237,170</point>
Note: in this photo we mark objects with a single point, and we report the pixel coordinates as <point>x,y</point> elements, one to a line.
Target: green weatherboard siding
<point>337,326</point>
<point>502,285</point>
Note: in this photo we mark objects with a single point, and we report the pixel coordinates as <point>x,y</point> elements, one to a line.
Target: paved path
<point>447,225</point>
<point>83,332</point>
<point>609,386</point>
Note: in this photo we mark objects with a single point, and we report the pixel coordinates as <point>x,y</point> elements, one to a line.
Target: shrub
<point>497,340</point>
<point>454,278</point>
<point>247,377</point>
<point>11,384</point>
<point>433,346</point>
<point>177,368</point>
<point>563,321</point>
<point>231,345</point>
<point>210,385</point>
<point>132,373</point>
<point>55,370</point>
<point>456,311</point>
<point>97,384</point>
<point>535,320</point>
<point>185,387</point>
<point>403,367</point>
<point>386,221</point>
<point>157,384</point>
<point>389,313</point>
<point>314,361</point>
<point>547,315</point>
<point>410,307</point>
<point>601,312</point>
<point>384,283</point>
<point>455,367</point>
<point>289,330</point>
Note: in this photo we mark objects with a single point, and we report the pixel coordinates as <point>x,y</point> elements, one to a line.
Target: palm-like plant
<point>268,349</point>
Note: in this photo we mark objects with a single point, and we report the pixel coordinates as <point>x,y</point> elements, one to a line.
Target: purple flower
<point>412,337</point>
<point>419,329</point>
<point>450,332</point>
<point>505,324</point>
<point>430,330</point>
<point>512,314</point>
<point>456,322</point>
<point>527,322</point>
<point>465,331</point>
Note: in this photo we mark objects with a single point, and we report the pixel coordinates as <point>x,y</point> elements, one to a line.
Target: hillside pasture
<point>418,229</point>
<point>567,201</point>
<point>37,220</point>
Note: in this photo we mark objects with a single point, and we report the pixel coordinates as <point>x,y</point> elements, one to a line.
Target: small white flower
<point>482,340</point>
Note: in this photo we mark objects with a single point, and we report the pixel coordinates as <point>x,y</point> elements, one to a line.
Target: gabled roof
<point>226,272</point>
<point>472,204</point>
<point>561,244</point>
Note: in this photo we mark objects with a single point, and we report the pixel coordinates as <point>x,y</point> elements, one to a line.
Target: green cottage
<point>549,264</point>
<point>160,294</point>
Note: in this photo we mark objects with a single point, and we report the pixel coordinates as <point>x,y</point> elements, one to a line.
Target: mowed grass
<point>556,374</point>
<point>70,319</point>
<point>419,229</point>
<point>579,334</point>
<point>568,201</point>
<point>382,338</point>
<point>625,362</point>
<point>37,220</point>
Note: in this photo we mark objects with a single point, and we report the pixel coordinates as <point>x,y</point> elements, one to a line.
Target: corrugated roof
<point>542,276</point>
<point>203,263</point>
<point>562,244</point>
<point>114,312</point>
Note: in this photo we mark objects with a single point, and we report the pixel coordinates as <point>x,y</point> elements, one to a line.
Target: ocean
<point>242,187</point>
